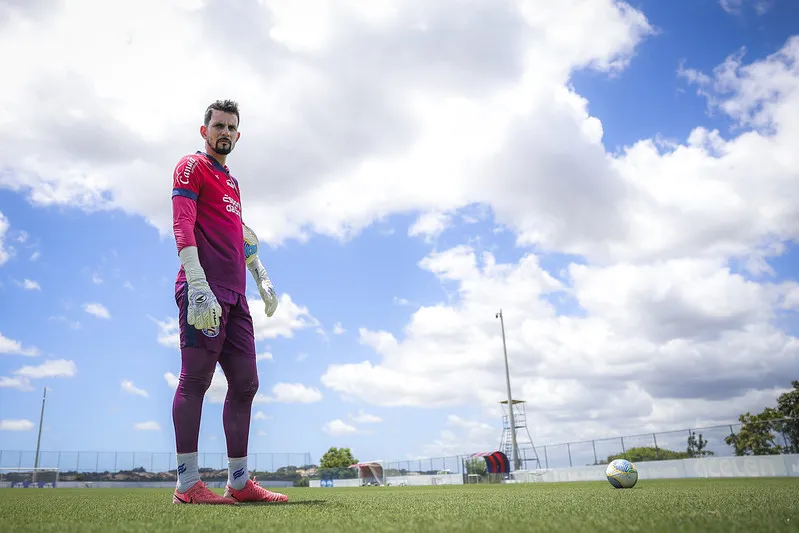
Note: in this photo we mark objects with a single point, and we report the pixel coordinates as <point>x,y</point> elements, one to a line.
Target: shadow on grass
<point>282,504</point>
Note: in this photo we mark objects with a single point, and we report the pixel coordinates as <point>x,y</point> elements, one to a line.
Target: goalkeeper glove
<point>204,311</point>
<point>258,271</point>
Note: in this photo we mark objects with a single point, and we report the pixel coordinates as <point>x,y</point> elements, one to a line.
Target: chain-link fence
<point>756,437</point>
<point>764,437</point>
<point>156,466</point>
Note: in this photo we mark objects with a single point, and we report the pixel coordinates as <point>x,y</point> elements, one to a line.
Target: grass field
<point>761,504</point>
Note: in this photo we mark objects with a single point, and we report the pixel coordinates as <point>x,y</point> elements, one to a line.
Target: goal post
<point>42,478</point>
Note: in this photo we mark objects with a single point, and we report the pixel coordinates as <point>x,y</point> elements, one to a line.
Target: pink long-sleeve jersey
<point>206,212</point>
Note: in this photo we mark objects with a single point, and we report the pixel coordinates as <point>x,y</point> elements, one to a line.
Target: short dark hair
<point>226,106</point>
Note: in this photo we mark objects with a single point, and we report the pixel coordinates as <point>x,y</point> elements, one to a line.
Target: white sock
<point>237,472</point>
<point>188,471</point>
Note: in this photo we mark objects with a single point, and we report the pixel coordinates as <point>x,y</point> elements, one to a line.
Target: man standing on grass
<point>215,321</point>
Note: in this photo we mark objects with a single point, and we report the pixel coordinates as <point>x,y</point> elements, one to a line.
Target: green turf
<point>761,504</point>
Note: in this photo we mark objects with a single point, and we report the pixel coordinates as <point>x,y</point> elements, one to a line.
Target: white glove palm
<point>204,311</point>
<point>265,288</point>
<point>258,271</point>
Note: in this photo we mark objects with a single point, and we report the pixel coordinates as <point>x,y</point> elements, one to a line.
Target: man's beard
<point>223,147</point>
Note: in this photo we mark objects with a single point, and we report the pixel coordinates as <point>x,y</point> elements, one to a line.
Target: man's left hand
<point>251,246</point>
<point>268,296</point>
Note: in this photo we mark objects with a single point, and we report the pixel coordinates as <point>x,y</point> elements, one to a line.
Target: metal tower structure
<point>514,448</point>
<point>517,416</point>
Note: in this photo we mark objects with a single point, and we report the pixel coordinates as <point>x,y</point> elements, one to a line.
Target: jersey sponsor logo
<point>231,183</point>
<point>183,177</point>
<point>232,206</point>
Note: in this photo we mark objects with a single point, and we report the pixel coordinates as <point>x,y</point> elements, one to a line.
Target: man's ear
<point>203,131</point>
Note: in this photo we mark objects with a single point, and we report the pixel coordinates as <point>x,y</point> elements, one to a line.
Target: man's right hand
<point>204,311</point>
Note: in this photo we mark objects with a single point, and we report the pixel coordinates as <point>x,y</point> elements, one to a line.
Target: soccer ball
<point>622,474</point>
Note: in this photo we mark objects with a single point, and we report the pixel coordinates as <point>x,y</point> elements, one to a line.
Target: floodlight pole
<point>39,438</point>
<point>510,397</point>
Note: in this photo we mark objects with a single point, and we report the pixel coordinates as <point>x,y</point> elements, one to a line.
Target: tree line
<point>773,431</point>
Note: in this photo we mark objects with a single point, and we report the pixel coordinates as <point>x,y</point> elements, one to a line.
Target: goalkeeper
<point>215,321</point>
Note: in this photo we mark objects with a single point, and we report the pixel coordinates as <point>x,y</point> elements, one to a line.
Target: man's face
<point>221,133</point>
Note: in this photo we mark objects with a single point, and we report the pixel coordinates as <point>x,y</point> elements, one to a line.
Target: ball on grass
<point>622,474</point>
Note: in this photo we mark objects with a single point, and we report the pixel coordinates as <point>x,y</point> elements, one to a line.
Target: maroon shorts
<point>235,335</point>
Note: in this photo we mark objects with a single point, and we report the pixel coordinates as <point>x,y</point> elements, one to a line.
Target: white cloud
<point>656,289</point>
<point>16,425</point>
<point>12,347</point>
<point>430,225</point>
<point>147,426</point>
<point>259,415</point>
<point>644,326</point>
<point>128,386</point>
<point>339,427</point>
<point>462,436</point>
<point>19,383</point>
<point>53,368</point>
<point>281,392</point>
<point>445,348</point>
<point>97,310</point>
<point>288,318</point>
<point>29,285</point>
<point>791,300</point>
<point>731,6</point>
<point>735,7</point>
<point>4,225</point>
<point>439,117</point>
<point>338,329</point>
<point>168,332</point>
<point>685,298</point>
<point>763,6</point>
<point>365,418</point>
<point>265,356</point>
<point>295,393</point>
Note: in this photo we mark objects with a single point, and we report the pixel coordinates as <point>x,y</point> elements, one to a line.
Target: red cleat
<point>199,493</point>
<point>253,492</point>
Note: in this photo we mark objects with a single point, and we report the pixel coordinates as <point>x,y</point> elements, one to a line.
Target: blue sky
<point>117,258</point>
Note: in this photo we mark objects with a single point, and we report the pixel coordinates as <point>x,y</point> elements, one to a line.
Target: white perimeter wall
<point>709,467</point>
<point>449,479</point>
